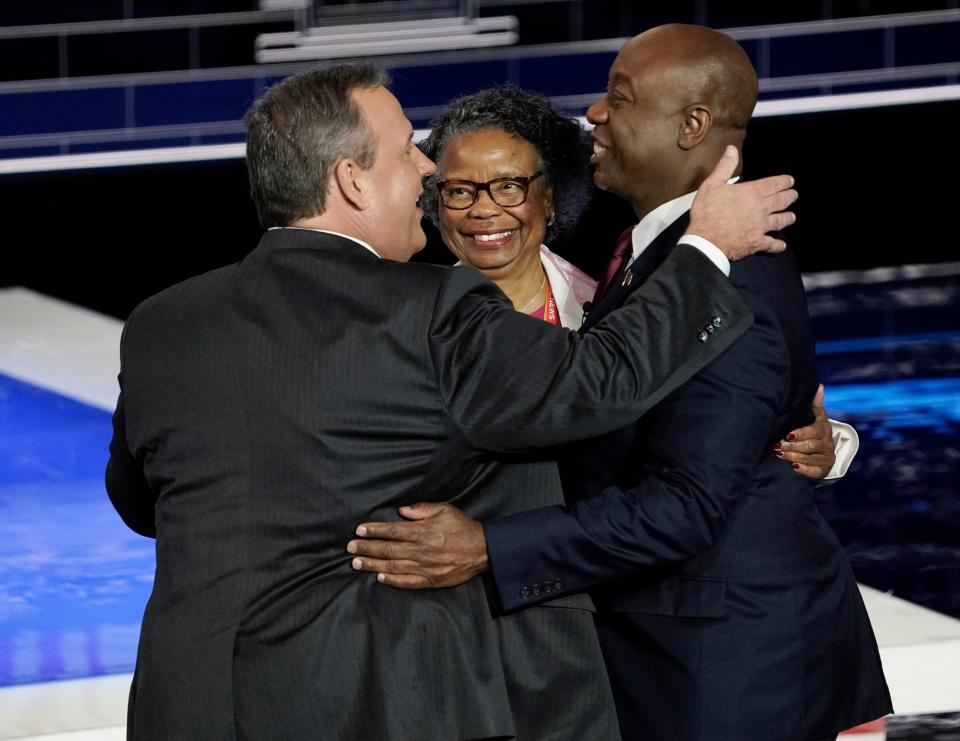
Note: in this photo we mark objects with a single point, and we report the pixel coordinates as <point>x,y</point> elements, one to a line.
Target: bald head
<point>676,96</point>
<point>704,66</point>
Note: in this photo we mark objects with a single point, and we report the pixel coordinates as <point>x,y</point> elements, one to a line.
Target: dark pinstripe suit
<point>268,407</point>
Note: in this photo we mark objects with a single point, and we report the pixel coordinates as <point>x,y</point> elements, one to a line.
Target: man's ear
<point>697,120</point>
<point>352,181</point>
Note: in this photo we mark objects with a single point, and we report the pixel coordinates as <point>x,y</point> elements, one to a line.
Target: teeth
<point>491,237</point>
<point>597,147</point>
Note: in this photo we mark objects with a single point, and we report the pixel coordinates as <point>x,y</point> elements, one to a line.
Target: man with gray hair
<point>268,406</point>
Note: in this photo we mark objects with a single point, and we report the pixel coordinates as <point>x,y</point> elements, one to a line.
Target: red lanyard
<point>551,314</point>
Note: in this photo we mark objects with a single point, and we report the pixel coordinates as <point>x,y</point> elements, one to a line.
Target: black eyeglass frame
<point>480,187</point>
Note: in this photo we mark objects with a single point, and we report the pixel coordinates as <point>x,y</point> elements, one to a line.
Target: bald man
<point>726,608</point>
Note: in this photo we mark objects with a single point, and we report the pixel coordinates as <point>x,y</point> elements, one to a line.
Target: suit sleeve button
<point>524,593</point>
<point>717,321</point>
<point>535,590</point>
<point>557,584</point>
<point>702,337</point>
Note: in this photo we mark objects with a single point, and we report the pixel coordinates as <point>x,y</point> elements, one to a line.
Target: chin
<point>484,261</point>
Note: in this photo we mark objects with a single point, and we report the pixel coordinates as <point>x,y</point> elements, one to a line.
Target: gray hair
<point>559,141</point>
<point>297,132</point>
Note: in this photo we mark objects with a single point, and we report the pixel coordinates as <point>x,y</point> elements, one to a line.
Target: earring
<point>551,219</point>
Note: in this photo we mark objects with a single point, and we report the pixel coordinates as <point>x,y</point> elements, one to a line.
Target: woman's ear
<point>548,205</point>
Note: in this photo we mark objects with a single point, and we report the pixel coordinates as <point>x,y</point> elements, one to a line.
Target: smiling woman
<point>512,172</point>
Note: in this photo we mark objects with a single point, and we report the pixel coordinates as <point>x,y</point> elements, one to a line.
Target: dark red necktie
<point>621,252</point>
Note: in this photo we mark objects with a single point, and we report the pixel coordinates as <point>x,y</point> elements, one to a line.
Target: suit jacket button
<point>702,337</point>
<point>717,321</point>
<point>557,584</point>
<point>524,593</point>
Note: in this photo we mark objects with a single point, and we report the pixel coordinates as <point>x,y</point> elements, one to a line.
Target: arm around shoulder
<point>699,449</point>
<point>513,383</point>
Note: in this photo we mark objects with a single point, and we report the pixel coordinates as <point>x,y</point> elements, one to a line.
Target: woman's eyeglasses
<point>461,194</point>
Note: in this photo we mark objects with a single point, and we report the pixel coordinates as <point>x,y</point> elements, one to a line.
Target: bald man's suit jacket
<point>269,407</point>
<point>726,608</point>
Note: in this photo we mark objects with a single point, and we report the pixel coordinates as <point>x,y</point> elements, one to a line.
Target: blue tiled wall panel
<point>585,73</point>
<point>928,44</point>
<point>901,85</point>
<point>433,86</point>
<point>62,110</point>
<point>60,11</point>
<point>29,59</point>
<point>553,75</point>
<point>788,94</point>
<point>222,138</point>
<point>30,152</point>
<point>427,86</point>
<point>118,146</point>
<point>128,53</point>
<point>192,102</point>
<point>822,53</point>
<point>752,48</point>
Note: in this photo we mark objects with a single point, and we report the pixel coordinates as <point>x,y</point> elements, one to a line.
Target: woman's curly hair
<point>559,141</point>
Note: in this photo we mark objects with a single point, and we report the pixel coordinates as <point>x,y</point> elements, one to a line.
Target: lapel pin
<point>627,279</point>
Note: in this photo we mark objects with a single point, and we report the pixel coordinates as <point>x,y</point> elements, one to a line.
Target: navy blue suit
<point>726,608</point>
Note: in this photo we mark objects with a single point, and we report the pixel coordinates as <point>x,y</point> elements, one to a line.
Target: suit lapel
<point>639,271</point>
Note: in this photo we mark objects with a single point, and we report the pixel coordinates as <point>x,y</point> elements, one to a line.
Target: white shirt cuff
<point>709,249</point>
<point>846,442</point>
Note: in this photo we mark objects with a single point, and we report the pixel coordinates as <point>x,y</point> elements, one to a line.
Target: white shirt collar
<point>328,231</point>
<point>654,223</point>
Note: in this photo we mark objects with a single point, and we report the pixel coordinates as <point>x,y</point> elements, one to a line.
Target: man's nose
<point>425,164</point>
<point>597,113</point>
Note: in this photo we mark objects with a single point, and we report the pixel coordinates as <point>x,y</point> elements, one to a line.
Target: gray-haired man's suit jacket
<point>268,407</point>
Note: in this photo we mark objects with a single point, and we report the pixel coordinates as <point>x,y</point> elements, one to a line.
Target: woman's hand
<point>810,449</point>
